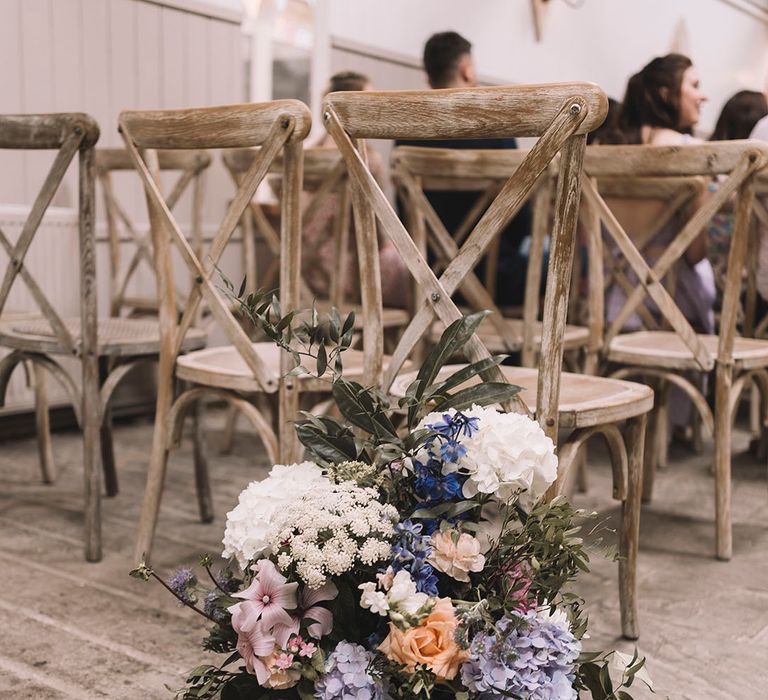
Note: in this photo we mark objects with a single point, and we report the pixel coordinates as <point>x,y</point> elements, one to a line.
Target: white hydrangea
<point>330,529</point>
<point>509,453</point>
<point>249,525</point>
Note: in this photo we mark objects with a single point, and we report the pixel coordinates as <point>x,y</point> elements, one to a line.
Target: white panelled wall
<point>604,41</point>
<point>100,57</point>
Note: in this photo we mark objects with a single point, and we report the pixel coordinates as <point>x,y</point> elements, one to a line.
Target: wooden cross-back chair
<point>191,167</point>
<point>664,354</point>
<point>325,187</point>
<point>237,372</point>
<point>560,116</point>
<point>421,170</point>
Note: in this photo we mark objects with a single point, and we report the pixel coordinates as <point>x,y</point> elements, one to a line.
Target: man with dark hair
<point>448,63</point>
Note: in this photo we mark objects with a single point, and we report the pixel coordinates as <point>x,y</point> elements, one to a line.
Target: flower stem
<point>182,601</point>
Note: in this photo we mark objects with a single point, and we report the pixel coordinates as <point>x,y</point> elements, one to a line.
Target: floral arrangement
<point>411,560</point>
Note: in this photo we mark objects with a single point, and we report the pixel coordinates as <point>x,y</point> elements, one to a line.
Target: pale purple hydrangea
<point>346,676</point>
<point>530,658</point>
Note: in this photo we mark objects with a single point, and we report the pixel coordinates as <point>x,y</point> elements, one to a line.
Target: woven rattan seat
<point>573,338</point>
<point>117,337</point>
<point>585,401</point>
<point>647,348</point>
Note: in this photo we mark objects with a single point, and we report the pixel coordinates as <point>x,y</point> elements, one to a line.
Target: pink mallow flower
<point>308,609</point>
<point>253,643</point>
<point>519,577</point>
<point>268,596</point>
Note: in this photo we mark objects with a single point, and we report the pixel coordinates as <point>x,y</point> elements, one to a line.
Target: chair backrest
<point>276,127</point>
<point>69,134</point>
<point>559,115</point>
<point>738,161</point>
<point>190,166</point>
<point>419,170</point>
<point>324,185</point>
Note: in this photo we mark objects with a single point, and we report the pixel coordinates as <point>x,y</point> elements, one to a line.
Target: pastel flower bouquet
<point>411,556</point>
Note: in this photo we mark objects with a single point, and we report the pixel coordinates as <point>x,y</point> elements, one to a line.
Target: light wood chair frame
<point>191,167</point>
<point>71,134</point>
<point>560,116</point>
<point>739,161</point>
<point>278,126</point>
<point>417,170</point>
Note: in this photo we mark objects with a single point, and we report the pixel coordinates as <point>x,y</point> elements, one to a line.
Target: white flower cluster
<point>399,598</point>
<point>249,525</point>
<point>332,528</point>
<point>509,453</point>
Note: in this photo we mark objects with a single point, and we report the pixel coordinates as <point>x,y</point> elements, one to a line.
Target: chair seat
<point>117,337</point>
<point>223,367</point>
<point>667,350</point>
<point>574,337</point>
<point>584,400</point>
<point>391,318</point>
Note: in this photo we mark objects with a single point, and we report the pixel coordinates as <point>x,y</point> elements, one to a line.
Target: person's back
<point>448,64</point>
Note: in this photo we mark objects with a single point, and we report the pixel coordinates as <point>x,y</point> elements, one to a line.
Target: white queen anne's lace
<point>250,523</point>
<point>330,529</point>
<point>508,453</point>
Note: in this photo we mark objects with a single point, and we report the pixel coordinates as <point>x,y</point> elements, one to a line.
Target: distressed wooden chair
<point>324,185</point>
<point>664,354</point>
<point>38,342</point>
<point>237,372</point>
<point>418,170</point>
<point>190,167</point>
<point>560,115</point>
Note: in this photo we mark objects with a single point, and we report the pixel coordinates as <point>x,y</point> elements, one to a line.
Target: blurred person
<point>321,259</point>
<point>737,120</point>
<point>448,63</point>
<point>661,107</point>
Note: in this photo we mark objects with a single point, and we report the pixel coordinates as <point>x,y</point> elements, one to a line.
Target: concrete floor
<point>74,630</point>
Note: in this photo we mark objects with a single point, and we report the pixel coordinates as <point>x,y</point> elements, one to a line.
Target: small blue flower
<point>452,451</point>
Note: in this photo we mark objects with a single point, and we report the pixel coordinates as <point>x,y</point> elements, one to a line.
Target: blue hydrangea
<point>529,658</point>
<point>410,551</point>
<point>346,676</point>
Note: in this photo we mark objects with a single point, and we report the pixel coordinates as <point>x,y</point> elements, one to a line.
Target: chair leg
<point>105,432</point>
<point>91,462</point>
<point>158,461</point>
<point>661,429</point>
<point>652,454</point>
<point>582,483</point>
<point>630,527</point>
<point>39,380</point>
<point>202,480</point>
<point>228,435</point>
<point>723,537</point>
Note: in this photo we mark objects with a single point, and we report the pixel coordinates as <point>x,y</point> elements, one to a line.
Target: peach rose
<point>456,556</point>
<point>430,644</point>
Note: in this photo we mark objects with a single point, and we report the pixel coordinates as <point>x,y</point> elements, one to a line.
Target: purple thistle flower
<point>182,583</point>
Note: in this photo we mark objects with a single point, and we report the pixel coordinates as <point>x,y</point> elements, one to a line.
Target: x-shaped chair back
<point>276,127</point>
<point>69,134</point>
<point>560,115</point>
<point>675,196</point>
<point>324,177</point>
<point>417,170</point>
<point>738,161</point>
<point>190,166</point>
<point>753,327</point>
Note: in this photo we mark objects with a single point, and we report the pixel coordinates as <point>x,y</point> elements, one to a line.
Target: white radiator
<point>53,260</point>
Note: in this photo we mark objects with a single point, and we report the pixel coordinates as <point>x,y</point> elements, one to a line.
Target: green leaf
<point>328,448</point>
<point>484,394</point>
<point>322,360</point>
<point>454,337</point>
<point>465,373</point>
